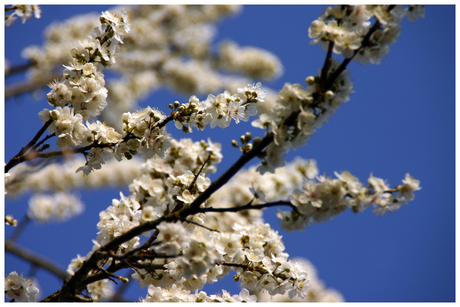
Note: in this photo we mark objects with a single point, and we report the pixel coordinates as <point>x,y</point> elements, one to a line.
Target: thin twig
<point>198,224</point>
<point>23,156</point>
<point>346,61</point>
<point>198,174</point>
<point>19,229</point>
<point>16,159</point>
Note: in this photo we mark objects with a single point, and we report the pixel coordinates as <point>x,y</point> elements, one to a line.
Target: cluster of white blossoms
<point>60,207</point>
<point>260,262</point>
<point>23,11</point>
<point>321,199</point>
<point>255,252</point>
<point>198,243</point>
<point>168,47</point>
<point>142,134</point>
<point>347,27</point>
<point>218,110</point>
<point>175,294</point>
<point>160,186</point>
<point>60,37</point>
<point>81,94</point>
<point>298,112</point>
<point>317,290</point>
<point>20,289</point>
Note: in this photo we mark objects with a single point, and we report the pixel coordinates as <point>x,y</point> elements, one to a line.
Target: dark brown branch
<point>327,63</point>
<point>248,207</point>
<point>68,291</point>
<point>17,158</point>
<point>22,156</point>
<point>225,177</point>
<point>345,62</point>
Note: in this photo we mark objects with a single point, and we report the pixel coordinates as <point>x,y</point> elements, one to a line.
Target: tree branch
<point>248,207</point>
<point>23,156</point>
<point>23,87</point>
<point>36,259</point>
<point>18,68</point>
<point>18,158</point>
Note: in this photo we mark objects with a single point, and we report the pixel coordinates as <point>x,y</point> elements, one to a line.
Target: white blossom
<point>20,289</point>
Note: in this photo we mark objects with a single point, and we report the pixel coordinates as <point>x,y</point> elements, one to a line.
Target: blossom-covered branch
<point>198,231</point>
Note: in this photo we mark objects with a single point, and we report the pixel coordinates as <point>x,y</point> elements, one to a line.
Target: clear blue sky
<point>401,119</point>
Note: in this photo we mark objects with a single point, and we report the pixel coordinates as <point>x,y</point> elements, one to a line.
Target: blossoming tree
<point>177,230</point>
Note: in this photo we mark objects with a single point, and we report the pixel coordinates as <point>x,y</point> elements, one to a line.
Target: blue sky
<point>401,119</point>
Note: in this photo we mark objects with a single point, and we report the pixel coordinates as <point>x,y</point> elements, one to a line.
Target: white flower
<point>406,190</point>
<point>103,133</point>
<point>23,11</point>
<point>214,149</point>
<point>253,92</point>
<point>97,157</point>
<point>347,43</point>
<point>352,183</point>
<point>20,289</point>
<point>378,184</point>
<point>245,297</point>
<point>265,121</point>
<point>173,238</point>
<point>186,197</point>
<point>100,289</point>
<point>75,264</point>
<point>253,62</point>
<point>258,193</point>
<point>317,31</point>
<point>237,111</point>
<point>148,213</point>
<point>199,256</point>
<point>229,244</point>
<point>306,122</point>
<point>119,23</point>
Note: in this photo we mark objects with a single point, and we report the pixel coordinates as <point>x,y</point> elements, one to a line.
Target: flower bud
<point>234,143</point>
<point>248,136</point>
<point>54,115</point>
<point>329,94</point>
<point>310,80</point>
